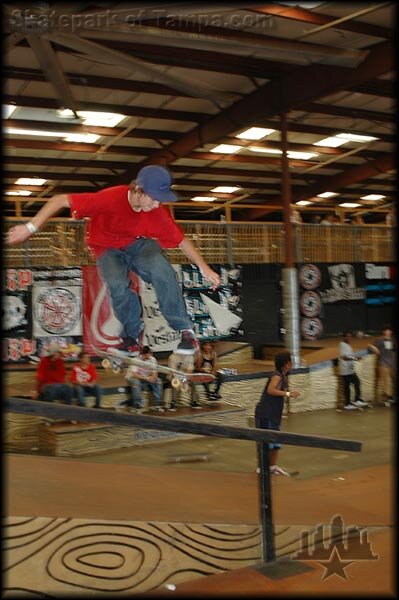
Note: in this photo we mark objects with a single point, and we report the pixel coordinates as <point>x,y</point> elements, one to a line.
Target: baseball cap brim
<point>160,195</point>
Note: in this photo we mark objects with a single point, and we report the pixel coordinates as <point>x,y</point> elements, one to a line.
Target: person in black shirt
<point>206,363</point>
<point>269,410</point>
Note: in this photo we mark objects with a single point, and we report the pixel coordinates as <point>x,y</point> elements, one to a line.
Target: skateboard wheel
<point>106,363</point>
<point>116,370</point>
<point>185,386</point>
<point>175,383</point>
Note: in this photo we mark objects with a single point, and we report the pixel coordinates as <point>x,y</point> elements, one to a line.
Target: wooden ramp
<point>74,527</point>
<point>296,578</point>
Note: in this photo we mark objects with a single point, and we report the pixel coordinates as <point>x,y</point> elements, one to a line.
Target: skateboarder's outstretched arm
<point>20,233</point>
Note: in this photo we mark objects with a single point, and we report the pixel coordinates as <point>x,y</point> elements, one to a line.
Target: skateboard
<point>114,360</point>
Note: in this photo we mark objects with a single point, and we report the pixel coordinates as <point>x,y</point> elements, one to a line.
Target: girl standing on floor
<point>269,410</point>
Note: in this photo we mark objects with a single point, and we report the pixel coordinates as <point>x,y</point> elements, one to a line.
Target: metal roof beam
<point>292,91</point>
<point>53,71</point>
<point>350,113</point>
<point>339,181</point>
<point>307,16</point>
<point>122,59</point>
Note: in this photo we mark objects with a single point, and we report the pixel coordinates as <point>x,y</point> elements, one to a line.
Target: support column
<point>289,272</point>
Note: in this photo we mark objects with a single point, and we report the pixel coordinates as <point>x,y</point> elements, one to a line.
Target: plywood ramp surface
<point>361,578</point>
<point>57,487</point>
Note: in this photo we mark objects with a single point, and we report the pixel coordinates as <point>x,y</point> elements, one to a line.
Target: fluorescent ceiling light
<point>30,181</point>
<point>264,150</point>
<point>331,142</point>
<point>303,203</point>
<point>94,118</point>
<point>255,133</point>
<point>225,189</point>
<point>88,138</point>
<point>17,131</point>
<point>353,137</point>
<point>290,153</point>
<point>373,197</point>
<point>8,109</point>
<point>65,113</point>
<point>226,149</point>
<point>350,205</point>
<point>327,195</point>
<point>203,198</point>
<point>301,155</point>
<point>19,193</point>
<point>100,119</point>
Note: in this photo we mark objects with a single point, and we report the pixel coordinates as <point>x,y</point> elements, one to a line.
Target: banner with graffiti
<point>215,314</point>
<point>101,328</point>
<point>41,306</point>
<point>17,342</point>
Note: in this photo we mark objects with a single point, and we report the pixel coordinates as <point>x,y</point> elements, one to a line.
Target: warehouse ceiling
<point>187,78</point>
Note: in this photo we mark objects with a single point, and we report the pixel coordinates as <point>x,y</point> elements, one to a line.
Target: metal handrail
<point>261,436</point>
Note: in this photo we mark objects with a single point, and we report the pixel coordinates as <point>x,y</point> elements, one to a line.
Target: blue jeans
<point>136,386</point>
<point>89,390</point>
<point>144,257</point>
<point>56,391</point>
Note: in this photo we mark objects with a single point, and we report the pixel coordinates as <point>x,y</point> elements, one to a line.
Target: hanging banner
<point>57,302</point>
<point>41,306</point>
<point>16,302</point>
<point>343,285</point>
<point>17,342</point>
<point>158,334</point>
<point>380,284</point>
<point>215,314</point>
<point>101,328</point>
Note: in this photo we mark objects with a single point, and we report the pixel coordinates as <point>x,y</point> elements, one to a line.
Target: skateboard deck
<point>114,360</point>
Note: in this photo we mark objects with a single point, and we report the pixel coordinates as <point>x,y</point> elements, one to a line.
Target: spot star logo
<point>335,547</point>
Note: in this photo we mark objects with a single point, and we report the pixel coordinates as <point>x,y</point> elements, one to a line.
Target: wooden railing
<point>62,243</point>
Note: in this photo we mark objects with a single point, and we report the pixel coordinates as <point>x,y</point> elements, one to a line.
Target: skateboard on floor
<point>114,360</point>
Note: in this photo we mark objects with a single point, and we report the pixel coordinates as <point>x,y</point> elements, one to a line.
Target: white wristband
<point>32,228</point>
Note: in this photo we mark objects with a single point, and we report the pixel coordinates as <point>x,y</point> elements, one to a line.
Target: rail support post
<point>268,541</point>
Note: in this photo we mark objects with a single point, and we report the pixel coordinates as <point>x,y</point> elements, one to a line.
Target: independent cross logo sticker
<point>335,547</point>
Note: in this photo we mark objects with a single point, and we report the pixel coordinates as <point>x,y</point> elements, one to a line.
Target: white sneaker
<point>360,403</point>
<point>350,407</point>
<point>278,471</point>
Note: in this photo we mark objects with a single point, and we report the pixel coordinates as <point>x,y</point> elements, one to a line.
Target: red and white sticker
<point>311,329</point>
<point>309,277</point>
<point>310,304</point>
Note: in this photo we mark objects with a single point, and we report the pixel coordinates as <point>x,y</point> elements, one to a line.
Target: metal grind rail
<point>261,436</point>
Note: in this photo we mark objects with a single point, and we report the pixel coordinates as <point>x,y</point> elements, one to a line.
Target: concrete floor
<point>373,427</point>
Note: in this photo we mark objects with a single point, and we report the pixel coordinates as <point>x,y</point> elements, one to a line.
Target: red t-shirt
<point>114,224</point>
<point>50,371</point>
<point>82,375</point>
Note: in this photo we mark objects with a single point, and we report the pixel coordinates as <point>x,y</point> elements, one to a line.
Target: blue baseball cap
<point>156,181</point>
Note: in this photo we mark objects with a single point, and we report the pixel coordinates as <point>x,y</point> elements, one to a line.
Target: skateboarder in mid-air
<point>127,229</point>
